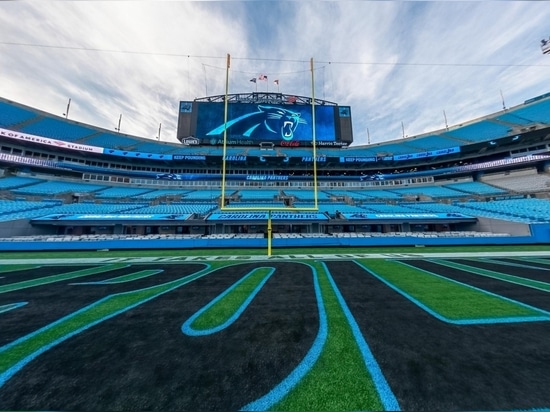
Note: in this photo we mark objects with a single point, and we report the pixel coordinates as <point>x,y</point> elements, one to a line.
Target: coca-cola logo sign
<point>290,143</point>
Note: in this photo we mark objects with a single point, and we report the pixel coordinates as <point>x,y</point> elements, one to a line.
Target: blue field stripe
<point>383,388</point>
<point>188,329</point>
<point>285,386</point>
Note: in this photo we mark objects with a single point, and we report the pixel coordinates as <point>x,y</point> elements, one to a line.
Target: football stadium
<point>267,264</point>
<point>261,170</point>
<point>268,256</point>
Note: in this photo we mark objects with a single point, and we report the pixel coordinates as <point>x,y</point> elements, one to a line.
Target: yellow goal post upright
<point>269,209</point>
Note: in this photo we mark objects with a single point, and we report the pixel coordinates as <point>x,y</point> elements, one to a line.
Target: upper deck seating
<point>11,115</point>
<point>111,141</point>
<point>427,143</point>
<point>479,132</point>
<point>58,129</point>
<point>152,147</point>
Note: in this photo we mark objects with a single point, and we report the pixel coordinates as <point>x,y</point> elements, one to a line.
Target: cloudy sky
<point>393,62</point>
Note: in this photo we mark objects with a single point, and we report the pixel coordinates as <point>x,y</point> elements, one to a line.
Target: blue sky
<point>393,62</point>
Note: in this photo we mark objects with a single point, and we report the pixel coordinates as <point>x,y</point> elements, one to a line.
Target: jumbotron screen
<point>251,123</point>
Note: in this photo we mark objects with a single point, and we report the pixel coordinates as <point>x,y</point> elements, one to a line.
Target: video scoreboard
<point>203,122</point>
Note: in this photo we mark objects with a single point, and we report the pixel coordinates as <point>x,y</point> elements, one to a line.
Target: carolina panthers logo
<point>268,120</point>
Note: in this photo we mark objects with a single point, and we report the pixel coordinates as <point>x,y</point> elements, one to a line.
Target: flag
<point>276,82</point>
<point>262,77</point>
<point>253,80</point>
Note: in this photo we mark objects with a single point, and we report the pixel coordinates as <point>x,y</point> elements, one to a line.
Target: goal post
<point>269,209</point>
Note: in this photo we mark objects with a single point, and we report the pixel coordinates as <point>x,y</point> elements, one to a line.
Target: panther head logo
<point>281,121</point>
<point>259,124</point>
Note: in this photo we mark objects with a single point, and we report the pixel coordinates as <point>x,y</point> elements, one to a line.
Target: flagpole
<point>222,205</point>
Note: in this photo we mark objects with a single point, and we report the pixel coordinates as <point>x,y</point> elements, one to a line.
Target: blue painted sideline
<point>189,330</point>
<point>479,321</point>
<point>384,391</point>
<point>11,306</point>
<point>285,386</point>
<point>8,374</point>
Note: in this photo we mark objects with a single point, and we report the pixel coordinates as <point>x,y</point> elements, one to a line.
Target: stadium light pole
<point>158,137</point>
<point>119,120</point>
<point>66,114</point>
<point>502,98</point>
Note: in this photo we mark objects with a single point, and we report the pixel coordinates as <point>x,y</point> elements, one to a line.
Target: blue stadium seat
<point>111,141</point>
<point>479,132</point>
<point>13,182</point>
<point>50,188</point>
<point>11,115</point>
<point>476,188</point>
<point>121,192</point>
<point>58,129</point>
